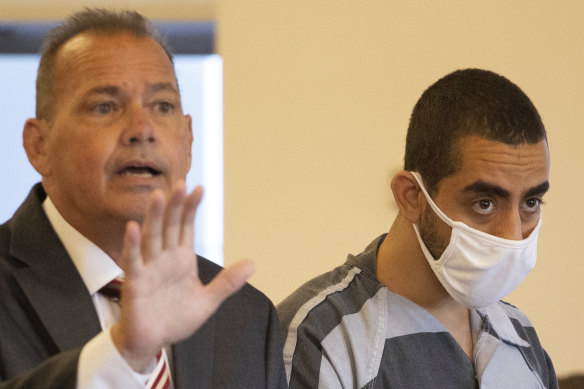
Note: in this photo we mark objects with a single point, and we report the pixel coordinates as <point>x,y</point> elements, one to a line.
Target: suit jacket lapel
<point>193,358</point>
<point>50,280</point>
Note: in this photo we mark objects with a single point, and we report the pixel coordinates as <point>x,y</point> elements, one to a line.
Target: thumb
<point>230,280</point>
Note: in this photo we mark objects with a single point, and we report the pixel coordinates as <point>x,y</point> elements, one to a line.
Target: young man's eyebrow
<point>538,190</point>
<point>482,187</point>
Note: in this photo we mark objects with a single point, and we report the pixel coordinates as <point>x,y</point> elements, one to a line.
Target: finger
<point>229,281</point>
<point>131,257</point>
<point>172,219</point>
<point>152,226</point>
<point>188,217</point>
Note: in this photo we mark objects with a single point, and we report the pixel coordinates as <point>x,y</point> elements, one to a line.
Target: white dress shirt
<point>100,363</point>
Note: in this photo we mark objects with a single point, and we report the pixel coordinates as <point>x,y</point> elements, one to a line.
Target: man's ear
<point>189,120</point>
<point>408,195</point>
<point>34,140</point>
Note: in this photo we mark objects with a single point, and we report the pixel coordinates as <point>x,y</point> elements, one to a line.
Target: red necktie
<point>113,290</point>
<point>160,378</point>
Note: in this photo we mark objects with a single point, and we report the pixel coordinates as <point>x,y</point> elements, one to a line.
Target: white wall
<point>318,96</point>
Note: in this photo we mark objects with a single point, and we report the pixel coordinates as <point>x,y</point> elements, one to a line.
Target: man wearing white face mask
<point>420,306</point>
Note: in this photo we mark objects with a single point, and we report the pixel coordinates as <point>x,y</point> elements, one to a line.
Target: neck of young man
<point>403,269</point>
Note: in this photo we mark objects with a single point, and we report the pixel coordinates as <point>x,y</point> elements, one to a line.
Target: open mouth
<point>139,171</point>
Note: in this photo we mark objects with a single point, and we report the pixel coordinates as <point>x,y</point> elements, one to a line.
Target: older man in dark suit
<point>112,144</point>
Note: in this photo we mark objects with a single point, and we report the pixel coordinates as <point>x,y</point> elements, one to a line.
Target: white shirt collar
<point>93,264</point>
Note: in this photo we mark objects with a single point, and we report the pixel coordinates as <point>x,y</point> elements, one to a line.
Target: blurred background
<point>316,101</point>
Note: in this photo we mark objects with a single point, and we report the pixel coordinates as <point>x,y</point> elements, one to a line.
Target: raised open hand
<point>163,299</point>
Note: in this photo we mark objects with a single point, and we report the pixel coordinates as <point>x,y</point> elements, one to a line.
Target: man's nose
<point>139,128</point>
<point>511,227</point>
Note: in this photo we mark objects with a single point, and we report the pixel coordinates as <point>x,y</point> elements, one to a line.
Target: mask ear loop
<point>440,214</point>
<point>437,210</point>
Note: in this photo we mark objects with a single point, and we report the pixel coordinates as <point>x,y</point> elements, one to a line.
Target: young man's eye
<point>533,204</point>
<point>483,206</point>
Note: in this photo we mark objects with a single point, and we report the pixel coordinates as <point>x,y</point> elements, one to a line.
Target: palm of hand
<point>163,299</point>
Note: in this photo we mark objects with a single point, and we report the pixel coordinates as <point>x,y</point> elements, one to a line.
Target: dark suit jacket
<point>47,316</point>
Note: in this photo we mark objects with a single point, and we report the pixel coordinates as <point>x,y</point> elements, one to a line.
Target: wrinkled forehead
<point>109,58</point>
<point>484,160</point>
<point>474,147</point>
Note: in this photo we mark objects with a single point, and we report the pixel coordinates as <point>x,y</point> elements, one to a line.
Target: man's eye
<point>165,107</point>
<point>103,108</point>
<point>483,206</point>
<point>533,204</point>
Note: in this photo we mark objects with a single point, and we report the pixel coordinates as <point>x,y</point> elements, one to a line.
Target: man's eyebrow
<point>538,190</point>
<point>482,187</point>
<point>116,91</point>
<point>104,89</point>
<point>163,86</point>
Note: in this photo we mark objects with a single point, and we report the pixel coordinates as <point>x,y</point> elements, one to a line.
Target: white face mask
<point>478,269</point>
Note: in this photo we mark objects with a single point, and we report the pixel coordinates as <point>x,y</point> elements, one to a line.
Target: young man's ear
<point>408,195</point>
<point>34,140</point>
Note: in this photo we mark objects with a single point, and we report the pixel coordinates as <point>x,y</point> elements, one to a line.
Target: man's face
<point>498,190</point>
<point>119,131</point>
